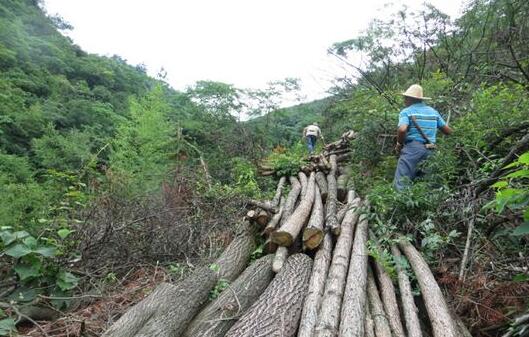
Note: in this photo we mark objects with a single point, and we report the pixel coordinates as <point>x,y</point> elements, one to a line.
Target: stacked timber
<point>317,279</point>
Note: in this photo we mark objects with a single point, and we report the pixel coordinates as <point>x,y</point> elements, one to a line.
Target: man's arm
<point>401,136</point>
<point>445,129</point>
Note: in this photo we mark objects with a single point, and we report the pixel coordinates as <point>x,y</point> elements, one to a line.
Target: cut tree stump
<point>440,318</point>
<point>354,301</point>
<point>329,317</point>
<point>289,231</point>
<point>311,307</point>
<point>409,309</point>
<point>380,320</point>
<point>220,315</point>
<point>277,311</point>
<point>313,233</point>
<point>321,179</point>
<point>169,308</point>
<point>331,221</point>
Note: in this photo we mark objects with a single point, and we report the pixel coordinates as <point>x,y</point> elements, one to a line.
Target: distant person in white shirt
<point>312,133</point>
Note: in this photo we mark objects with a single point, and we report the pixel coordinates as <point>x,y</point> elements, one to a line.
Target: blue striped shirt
<point>428,118</point>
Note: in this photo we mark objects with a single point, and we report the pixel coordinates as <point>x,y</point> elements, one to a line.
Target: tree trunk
<point>279,259</point>
<point>389,299</point>
<point>322,184</point>
<point>303,181</point>
<point>354,302</point>
<point>279,191</point>
<point>409,309</point>
<point>329,317</point>
<point>290,203</point>
<point>265,205</point>
<point>331,221</point>
<point>220,315</point>
<point>341,186</point>
<point>313,233</point>
<point>277,311</point>
<point>289,231</point>
<point>382,328</point>
<point>312,304</point>
<point>168,310</point>
<point>442,323</point>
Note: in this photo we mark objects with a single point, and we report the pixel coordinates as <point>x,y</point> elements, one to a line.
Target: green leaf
<point>25,271</point>
<point>215,267</point>
<point>524,158</point>
<point>31,242</point>
<point>24,294</point>
<point>46,251</point>
<point>18,250</point>
<point>7,237</point>
<point>500,184</point>
<point>7,327</point>
<point>66,280</point>
<point>21,234</point>
<point>526,215</point>
<point>519,174</point>
<point>522,229</point>
<point>521,278</point>
<point>63,233</point>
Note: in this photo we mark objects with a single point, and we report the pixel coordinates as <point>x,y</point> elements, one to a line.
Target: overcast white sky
<point>242,42</point>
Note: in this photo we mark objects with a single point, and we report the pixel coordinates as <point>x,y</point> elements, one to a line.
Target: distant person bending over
<point>417,128</point>
<point>312,133</point>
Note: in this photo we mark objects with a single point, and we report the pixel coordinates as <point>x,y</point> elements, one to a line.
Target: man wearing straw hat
<point>417,128</point>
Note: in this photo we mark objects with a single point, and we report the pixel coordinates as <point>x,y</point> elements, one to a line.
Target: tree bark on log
<point>322,184</point>
<point>289,231</point>
<point>313,233</point>
<point>341,187</point>
<point>312,304</point>
<point>389,299</point>
<point>369,324</point>
<point>220,315</point>
<point>279,258</point>
<point>354,302</point>
<point>409,308</point>
<point>331,221</point>
<point>272,224</point>
<point>329,316</point>
<point>167,311</point>
<point>442,323</point>
<point>382,328</point>
<point>277,311</point>
<point>279,191</point>
<point>265,205</point>
<point>304,183</point>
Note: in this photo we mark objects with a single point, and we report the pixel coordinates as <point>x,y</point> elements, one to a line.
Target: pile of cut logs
<point>316,281</point>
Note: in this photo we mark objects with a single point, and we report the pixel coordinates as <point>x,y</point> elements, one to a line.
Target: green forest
<point>112,182</point>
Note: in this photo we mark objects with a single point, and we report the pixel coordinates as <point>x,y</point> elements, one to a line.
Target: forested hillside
<point>112,182</point>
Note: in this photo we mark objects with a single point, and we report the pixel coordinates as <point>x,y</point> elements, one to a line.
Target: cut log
<point>369,325</point>
<point>389,299</point>
<point>219,316</point>
<point>312,304</point>
<point>279,259</point>
<point>331,221</point>
<point>341,187</point>
<point>304,182</point>
<point>266,205</point>
<point>382,328</point>
<point>321,179</point>
<point>343,157</point>
<point>272,224</point>
<point>313,233</point>
<point>411,318</point>
<point>279,192</point>
<point>289,231</point>
<point>442,323</point>
<point>262,218</point>
<point>329,316</point>
<point>354,301</point>
<point>277,311</point>
<point>292,197</point>
<point>168,310</point>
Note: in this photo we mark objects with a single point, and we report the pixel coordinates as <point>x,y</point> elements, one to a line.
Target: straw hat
<point>415,91</point>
